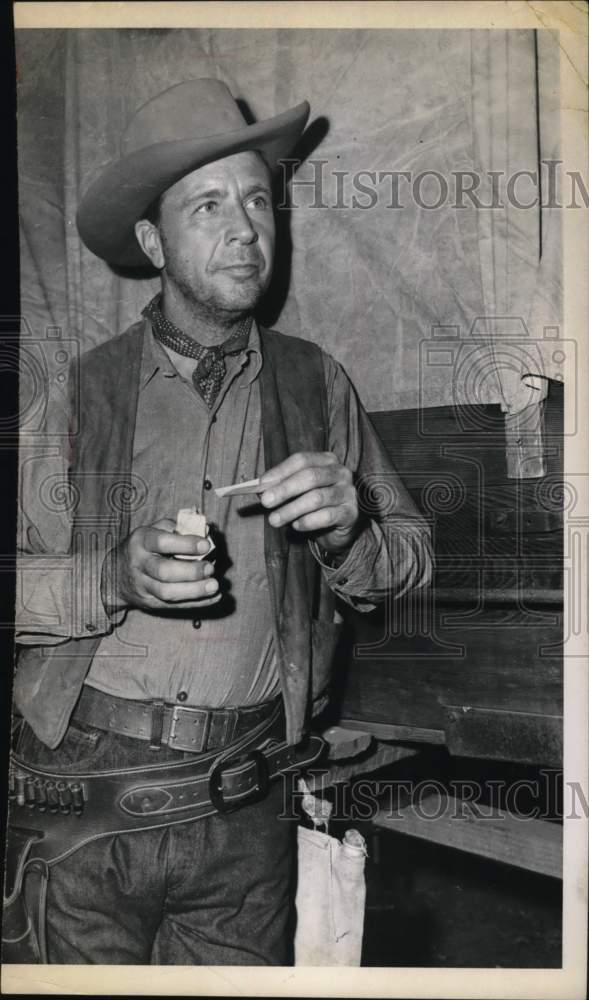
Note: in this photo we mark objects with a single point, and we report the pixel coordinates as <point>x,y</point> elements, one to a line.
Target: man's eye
<point>207,208</point>
<point>259,201</point>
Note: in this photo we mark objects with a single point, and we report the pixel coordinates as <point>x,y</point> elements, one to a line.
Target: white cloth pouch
<point>330,899</point>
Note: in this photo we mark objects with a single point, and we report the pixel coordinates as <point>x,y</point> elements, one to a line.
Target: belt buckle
<point>176,742</point>
<point>258,792</point>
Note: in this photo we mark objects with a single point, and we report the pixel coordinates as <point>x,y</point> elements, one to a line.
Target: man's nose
<point>240,228</point>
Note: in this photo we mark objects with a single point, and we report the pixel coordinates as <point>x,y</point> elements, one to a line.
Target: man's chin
<point>243,297</point>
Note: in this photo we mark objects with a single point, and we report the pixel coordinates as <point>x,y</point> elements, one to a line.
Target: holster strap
<point>141,798</point>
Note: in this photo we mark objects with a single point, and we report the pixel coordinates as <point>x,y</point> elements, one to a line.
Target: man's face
<point>216,229</point>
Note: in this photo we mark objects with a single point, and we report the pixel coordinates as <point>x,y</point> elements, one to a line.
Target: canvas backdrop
<point>374,286</point>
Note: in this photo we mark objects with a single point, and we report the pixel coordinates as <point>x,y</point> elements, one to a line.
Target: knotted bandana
<point>210,371</point>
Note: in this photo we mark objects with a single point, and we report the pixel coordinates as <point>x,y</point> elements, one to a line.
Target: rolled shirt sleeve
<point>392,553</point>
<point>58,597</point>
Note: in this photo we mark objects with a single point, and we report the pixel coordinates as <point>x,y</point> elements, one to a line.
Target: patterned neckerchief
<point>210,371</point>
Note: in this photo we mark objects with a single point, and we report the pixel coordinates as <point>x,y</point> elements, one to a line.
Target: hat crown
<point>194,109</point>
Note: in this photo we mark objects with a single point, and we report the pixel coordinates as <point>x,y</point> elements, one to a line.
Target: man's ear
<point>149,240</point>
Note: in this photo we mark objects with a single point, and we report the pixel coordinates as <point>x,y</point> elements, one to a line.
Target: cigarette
<point>240,489</point>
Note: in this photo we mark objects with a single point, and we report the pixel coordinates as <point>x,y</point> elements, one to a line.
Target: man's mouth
<point>243,270</point>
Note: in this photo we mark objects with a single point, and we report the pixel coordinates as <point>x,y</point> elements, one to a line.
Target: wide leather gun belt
<point>179,727</point>
<point>63,812</point>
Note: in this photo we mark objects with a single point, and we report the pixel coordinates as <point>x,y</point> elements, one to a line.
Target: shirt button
<point>214,418</point>
<point>182,696</point>
<point>196,622</point>
<point>207,485</point>
<point>90,627</point>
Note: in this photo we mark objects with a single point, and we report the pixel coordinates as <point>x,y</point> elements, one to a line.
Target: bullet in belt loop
<point>20,789</point>
<point>78,798</point>
<point>52,797</point>
<point>40,795</point>
<point>65,797</point>
<point>30,792</point>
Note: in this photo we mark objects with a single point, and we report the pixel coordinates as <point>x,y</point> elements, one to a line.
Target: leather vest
<point>294,418</point>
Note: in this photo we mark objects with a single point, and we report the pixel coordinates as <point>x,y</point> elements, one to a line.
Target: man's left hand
<point>313,492</point>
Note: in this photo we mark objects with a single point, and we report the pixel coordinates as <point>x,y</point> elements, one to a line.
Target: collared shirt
<point>180,447</point>
<point>182,450</point>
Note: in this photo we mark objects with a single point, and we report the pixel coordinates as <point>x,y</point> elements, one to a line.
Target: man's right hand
<point>140,573</point>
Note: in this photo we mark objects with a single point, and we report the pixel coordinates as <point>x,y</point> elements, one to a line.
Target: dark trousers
<point>215,891</point>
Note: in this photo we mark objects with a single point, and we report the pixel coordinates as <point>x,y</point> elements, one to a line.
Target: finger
<point>304,481</point>
<point>205,602</point>
<point>166,570</point>
<point>174,593</point>
<point>168,543</point>
<point>294,463</point>
<point>328,496</point>
<point>165,524</point>
<point>325,519</point>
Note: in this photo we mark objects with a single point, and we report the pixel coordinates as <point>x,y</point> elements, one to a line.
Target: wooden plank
<point>432,428</point>
<point>409,682</point>
<point>380,755</point>
<point>532,844</point>
<point>346,742</point>
<point>501,734</point>
<point>384,731</point>
<point>508,661</point>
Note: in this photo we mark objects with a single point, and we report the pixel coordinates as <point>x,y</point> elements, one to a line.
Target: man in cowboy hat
<point>155,719</point>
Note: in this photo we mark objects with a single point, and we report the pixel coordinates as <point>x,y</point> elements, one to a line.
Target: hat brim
<point>112,205</point>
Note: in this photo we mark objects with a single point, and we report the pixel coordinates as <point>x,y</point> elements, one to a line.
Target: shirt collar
<point>155,359</point>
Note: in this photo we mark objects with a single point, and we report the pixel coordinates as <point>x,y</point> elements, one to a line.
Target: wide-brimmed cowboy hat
<point>183,128</point>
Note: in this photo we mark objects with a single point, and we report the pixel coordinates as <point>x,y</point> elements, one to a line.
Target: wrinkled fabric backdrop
<point>373,286</point>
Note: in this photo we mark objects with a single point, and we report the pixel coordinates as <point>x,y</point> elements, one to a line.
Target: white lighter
<point>190,522</point>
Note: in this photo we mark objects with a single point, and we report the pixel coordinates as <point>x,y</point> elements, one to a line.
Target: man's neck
<point>203,326</point>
